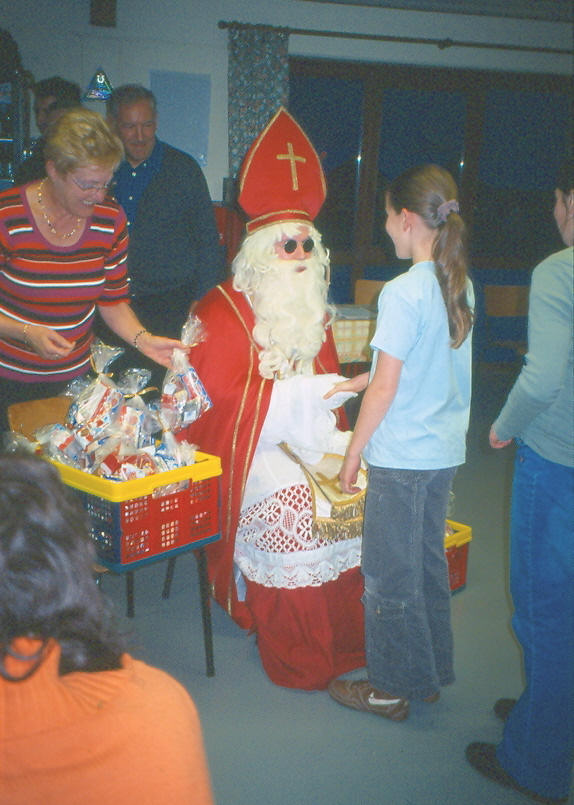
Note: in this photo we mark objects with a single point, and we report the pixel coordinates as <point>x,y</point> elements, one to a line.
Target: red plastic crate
<point>129,528</point>
<point>456,550</point>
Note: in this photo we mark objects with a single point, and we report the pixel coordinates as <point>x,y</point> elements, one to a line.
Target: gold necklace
<point>51,226</point>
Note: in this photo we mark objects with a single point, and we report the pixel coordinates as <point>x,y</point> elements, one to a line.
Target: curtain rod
<point>441,44</point>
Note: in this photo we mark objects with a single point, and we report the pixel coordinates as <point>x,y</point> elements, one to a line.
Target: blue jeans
<point>537,747</point>
<point>408,632</point>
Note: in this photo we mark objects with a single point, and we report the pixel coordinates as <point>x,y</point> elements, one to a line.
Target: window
<point>500,134</point>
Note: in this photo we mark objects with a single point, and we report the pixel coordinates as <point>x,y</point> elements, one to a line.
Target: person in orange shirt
<point>80,720</point>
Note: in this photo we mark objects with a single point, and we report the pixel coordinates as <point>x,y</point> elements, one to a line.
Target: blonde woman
<point>63,250</point>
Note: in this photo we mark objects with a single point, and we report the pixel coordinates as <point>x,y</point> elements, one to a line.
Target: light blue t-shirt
<point>426,424</point>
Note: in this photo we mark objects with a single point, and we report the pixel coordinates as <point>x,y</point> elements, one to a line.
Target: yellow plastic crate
<point>205,466</point>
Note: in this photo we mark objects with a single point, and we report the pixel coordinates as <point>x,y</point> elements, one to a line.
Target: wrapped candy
<point>76,386</point>
<point>133,381</point>
<point>95,409</point>
<point>193,331</point>
<point>120,465</point>
<point>135,419</point>
<point>103,355</point>
<point>60,443</point>
<point>173,454</point>
<point>184,398</point>
<point>15,442</point>
<point>97,400</point>
<point>111,431</point>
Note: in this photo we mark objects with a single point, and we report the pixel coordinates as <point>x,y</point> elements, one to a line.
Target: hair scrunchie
<point>445,209</point>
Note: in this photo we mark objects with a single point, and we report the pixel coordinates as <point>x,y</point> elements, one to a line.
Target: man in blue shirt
<point>174,254</point>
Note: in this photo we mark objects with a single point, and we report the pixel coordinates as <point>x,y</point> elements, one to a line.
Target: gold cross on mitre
<point>293,159</point>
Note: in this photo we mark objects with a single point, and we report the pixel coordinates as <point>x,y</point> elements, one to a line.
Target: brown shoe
<point>503,707</point>
<point>434,697</point>
<point>361,695</point>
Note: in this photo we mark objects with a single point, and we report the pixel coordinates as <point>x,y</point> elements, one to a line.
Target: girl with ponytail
<point>411,431</point>
<point>431,193</point>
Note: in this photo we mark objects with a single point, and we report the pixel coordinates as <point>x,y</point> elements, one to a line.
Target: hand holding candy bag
<point>184,398</point>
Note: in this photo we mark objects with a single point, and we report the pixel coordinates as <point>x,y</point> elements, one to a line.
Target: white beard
<point>291,311</point>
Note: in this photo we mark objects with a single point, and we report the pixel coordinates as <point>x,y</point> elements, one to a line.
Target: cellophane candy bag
<point>184,398</point>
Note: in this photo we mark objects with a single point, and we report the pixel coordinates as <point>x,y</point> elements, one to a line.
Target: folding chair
<point>506,312</point>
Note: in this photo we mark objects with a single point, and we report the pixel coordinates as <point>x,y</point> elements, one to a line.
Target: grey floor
<point>275,746</point>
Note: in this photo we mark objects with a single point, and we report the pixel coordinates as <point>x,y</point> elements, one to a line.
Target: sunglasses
<point>85,186</point>
<point>290,245</point>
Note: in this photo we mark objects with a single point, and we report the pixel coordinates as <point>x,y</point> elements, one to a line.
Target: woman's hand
<point>159,349</point>
<point>349,473</point>
<point>495,441</point>
<point>123,321</point>
<point>352,384</point>
<point>47,342</point>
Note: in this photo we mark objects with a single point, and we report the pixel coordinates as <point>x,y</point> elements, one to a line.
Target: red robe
<point>309,635</point>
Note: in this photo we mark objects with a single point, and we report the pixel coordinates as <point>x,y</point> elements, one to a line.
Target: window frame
<point>378,77</point>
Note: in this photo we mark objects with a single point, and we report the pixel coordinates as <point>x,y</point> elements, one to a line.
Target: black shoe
<point>502,708</point>
<point>483,757</point>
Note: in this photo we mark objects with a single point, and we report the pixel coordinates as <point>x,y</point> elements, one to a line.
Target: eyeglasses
<point>85,186</point>
<point>290,245</point>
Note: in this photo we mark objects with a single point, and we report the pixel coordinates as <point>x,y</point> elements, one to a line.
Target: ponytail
<point>449,255</point>
<point>431,192</point>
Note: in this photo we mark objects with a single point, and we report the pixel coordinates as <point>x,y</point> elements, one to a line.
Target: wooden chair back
<point>506,300</point>
<point>26,417</point>
<point>367,291</point>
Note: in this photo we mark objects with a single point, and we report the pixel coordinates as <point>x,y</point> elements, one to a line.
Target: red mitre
<point>281,177</point>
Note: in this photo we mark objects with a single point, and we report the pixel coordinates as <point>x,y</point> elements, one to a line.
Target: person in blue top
<point>536,753</point>
<point>175,256</point>
<point>411,430</point>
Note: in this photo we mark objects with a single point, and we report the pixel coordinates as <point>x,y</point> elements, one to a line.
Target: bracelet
<point>137,335</point>
<point>25,332</point>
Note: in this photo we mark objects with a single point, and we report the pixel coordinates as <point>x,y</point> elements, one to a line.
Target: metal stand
<point>204,595</point>
<point>130,593</point>
<point>204,600</point>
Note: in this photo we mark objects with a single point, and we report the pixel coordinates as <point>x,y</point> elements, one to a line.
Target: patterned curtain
<point>258,78</point>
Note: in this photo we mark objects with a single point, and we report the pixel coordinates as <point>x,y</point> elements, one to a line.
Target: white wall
<point>55,38</point>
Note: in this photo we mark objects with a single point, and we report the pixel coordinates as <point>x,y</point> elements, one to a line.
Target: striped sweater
<point>58,287</point>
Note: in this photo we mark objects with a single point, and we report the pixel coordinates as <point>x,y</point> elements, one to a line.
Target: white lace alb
<point>275,545</point>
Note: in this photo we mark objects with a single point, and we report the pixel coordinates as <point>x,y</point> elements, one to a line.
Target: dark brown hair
<point>47,588</point>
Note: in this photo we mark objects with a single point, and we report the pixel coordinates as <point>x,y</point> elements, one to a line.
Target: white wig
<point>291,308</point>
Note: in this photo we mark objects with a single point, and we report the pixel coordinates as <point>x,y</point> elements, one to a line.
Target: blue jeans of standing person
<point>408,631</point>
<point>537,748</point>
